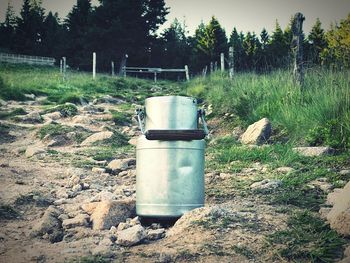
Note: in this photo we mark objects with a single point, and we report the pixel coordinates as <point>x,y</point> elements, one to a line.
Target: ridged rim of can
<point>162,144</point>
<point>171,96</point>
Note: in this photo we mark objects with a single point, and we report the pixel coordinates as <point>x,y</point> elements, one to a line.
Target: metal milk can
<point>170,157</point>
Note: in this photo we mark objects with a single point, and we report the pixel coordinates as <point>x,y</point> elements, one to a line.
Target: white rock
<point>98,170</point>
<point>266,184</point>
<point>344,172</point>
<point>131,236</point>
<point>73,180</point>
<point>79,220</point>
<point>96,137</point>
<point>257,133</point>
<point>77,188</point>
<point>34,150</point>
<point>111,213</point>
<point>103,196</point>
<point>119,164</point>
<point>313,151</point>
<point>284,170</point>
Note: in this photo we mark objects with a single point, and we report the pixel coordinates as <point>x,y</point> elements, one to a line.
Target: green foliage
<point>7,212</point>
<point>332,133</point>
<point>9,114</point>
<point>53,130</point>
<point>67,109</point>
<point>121,118</point>
<point>307,238</point>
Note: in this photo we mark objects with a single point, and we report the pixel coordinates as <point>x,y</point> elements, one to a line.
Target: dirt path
<point>34,176</point>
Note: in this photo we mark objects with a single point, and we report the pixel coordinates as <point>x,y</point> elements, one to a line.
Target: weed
<point>243,250</point>
<point>9,114</point>
<point>121,118</point>
<point>53,130</point>
<point>90,259</point>
<point>307,238</point>
<point>7,212</point>
<point>117,140</point>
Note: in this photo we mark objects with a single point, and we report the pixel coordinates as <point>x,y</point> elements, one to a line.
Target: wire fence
<point>34,60</point>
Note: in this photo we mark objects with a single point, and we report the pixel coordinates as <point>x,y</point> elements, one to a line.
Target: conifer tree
<point>7,28</point>
<point>317,42</point>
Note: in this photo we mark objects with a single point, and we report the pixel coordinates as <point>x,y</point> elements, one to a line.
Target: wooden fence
<point>16,58</point>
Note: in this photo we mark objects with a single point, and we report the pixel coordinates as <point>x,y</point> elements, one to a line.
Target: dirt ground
<point>30,185</point>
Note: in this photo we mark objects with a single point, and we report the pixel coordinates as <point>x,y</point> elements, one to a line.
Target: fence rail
<point>16,58</point>
<point>154,71</point>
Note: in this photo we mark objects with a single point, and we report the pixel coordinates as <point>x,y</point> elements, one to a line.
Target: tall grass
<point>320,109</point>
<point>17,80</point>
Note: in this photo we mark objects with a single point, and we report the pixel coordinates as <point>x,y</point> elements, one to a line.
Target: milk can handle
<point>201,114</point>
<point>140,113</point>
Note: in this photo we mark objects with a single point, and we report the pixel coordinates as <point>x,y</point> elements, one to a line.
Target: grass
<point>17,80</point>
<point>320,113</point>
<point>121,118</point>
<point>306,239</point>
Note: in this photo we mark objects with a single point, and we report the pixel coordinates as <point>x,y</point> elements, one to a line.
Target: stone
<point>89,208</point>
<point>79,220</point>
<point>81,119</point>
<point>34,150</point>
<point>133,141</point>
<point>49,225</point>
<point>120,164</point>
<point>98,170</point>
<point>59,140</point>
<point>73,180</point>
<point>77,188</point>
<point>123,226</point>
<point>322,184</point>
<point>96,137</point>
<point>103,196</point>
<point>131,236</point>
<point>266,184</point>
<point>257,133</point>
<point>135,221</point>
<point>284,169</point>
<point>56,115</point>
<point>29,96</point>
<point>314,151</point>
<point>111,213</point>
<point>339,216</point>
<point>103,248</point>
<point>154,234</point>
<point>344,172</point>
<point>33,117</point>
<point>108,99</point>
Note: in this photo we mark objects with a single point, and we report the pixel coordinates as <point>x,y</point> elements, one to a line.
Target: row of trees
<point>118,27</point>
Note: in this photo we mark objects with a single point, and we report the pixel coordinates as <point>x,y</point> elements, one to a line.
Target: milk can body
<point>169,177</point>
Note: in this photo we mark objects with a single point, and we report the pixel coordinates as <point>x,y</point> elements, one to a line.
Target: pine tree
<point>236,41</point>
<point>278,48</point>
<point>213,41</point>
<point>28,37</point>
<point>7,29</point>
<point>52,36</point>
<point>317,42</point>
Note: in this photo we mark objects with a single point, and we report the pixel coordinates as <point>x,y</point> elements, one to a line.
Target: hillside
<point>68,158</point>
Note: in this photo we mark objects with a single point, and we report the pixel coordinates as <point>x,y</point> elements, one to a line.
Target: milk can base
<point>164,211</point>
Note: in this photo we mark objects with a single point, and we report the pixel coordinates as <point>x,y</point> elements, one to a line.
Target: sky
<point>245,15</point>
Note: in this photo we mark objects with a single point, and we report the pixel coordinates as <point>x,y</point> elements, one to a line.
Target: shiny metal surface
<point>171,113</point>
<point>169,177</point>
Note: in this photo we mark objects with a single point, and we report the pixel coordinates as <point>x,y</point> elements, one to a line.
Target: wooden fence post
<point>112,66</point>
<point>187,73</point>
<point>94,65</point>
<point>205,71</point>
<point>222,60</point>
<point>215,66</point>
<point>61,66</point>
<point>211,67</point>
<point>231,64</point>
<point>64,67</point>
<point>297,47</point>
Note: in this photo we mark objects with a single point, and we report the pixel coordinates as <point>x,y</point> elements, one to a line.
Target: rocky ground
<point>68,195</point>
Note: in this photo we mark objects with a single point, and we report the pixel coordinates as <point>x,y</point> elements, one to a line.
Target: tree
<point>251,47</point>
<point>7,29</point>
<point>176,46</point>
<point>77,25</point>
<point>278,48</point>
<point>52,36</point>
<point>317,42</point>
<point>28,36</point>
<point>337,52</point>
<point>213,41</point>
<point>236,41</point>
